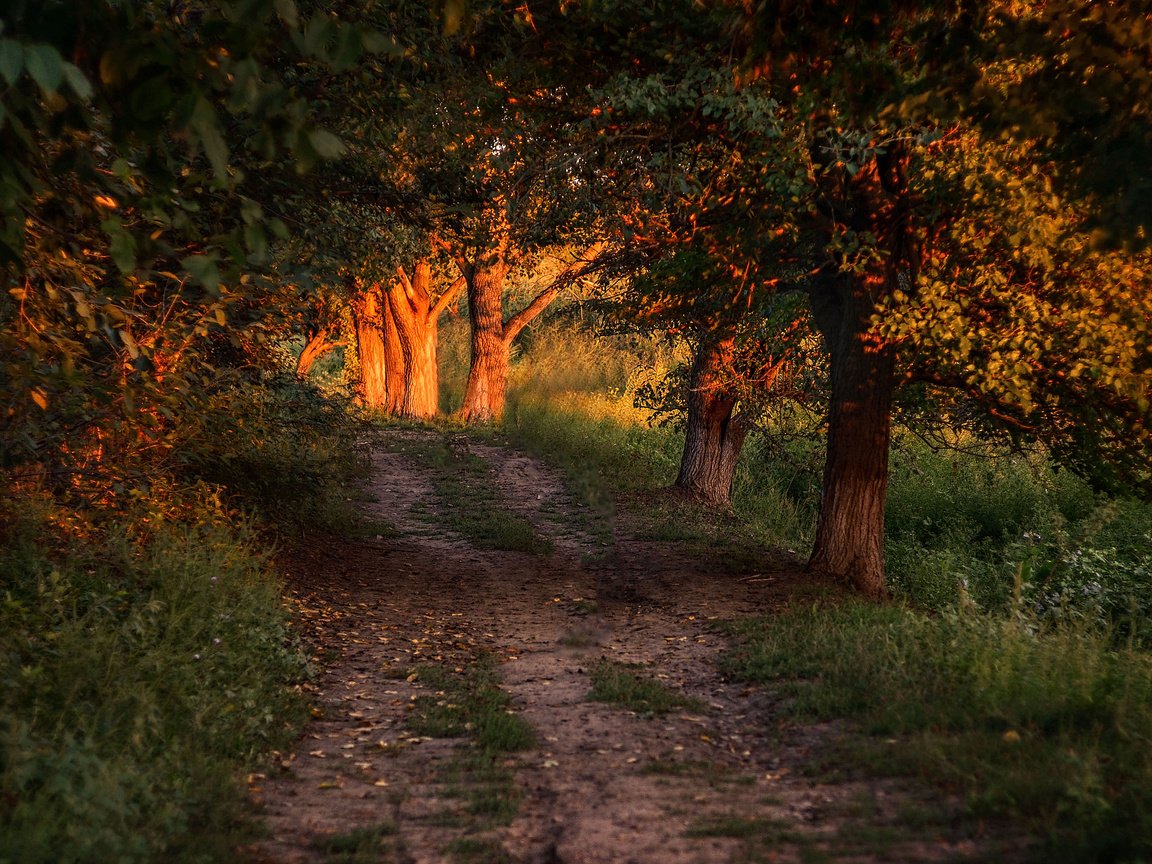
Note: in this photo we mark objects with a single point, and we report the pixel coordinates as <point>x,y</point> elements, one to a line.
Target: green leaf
<point>206,125</point>
<point>45,65</point>
<point>79,83</point>
<point>122,246</point>
<point>326,145</point>
<point>203,269</point>
<point>11,59</point>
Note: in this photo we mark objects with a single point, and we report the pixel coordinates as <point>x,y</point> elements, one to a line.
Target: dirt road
<point>720,780</point>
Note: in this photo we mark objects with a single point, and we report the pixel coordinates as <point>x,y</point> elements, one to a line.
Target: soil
<point>605,784</point>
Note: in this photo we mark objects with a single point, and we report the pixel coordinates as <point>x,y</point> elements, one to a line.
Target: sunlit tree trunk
<point>370,347</point>
<point>394,366</point>
<point>714,434</point>
<point>319,344</point>
<point>417,321</point>
<point>492,336</point>
<point>378,350</point>
<point>488,370</point>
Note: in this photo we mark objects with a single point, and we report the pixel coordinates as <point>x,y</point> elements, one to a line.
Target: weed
<point>622,685</point>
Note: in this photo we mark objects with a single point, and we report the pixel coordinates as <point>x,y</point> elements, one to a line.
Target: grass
<point>623,686</point>
<point>360,846</point>
<point>1044,727</point>
<point>473,505</point>
<point>471,704</point>
<point>143,665</point>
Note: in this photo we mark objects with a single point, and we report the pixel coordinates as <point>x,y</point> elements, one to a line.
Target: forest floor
<point>405,617</point>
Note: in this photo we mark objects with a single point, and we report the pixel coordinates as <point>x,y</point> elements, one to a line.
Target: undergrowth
<point>146,659</point>
<point>142,664</point>
<point>1045,727</point>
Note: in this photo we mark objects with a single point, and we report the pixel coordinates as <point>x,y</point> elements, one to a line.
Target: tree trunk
<point>417,325</point>
<point>370,348</point>
<point>488,372</point>
<point>849,541</point>
<point>317,346</point>
<point>713,437</point>
<point>394,368</point>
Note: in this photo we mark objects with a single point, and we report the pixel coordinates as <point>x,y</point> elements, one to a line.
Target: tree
<point>416,311</point>
<point>875,85</point>
<point>133,239</point>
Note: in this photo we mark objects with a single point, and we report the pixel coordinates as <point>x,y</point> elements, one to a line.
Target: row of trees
<point>939,193</point>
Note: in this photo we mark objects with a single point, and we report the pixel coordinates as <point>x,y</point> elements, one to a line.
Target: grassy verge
<point>1045,728</point>
<point>143,664</point>
<point>474,510</point>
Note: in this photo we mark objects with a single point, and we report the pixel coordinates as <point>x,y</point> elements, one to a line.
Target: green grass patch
<point>360,846</point>
<point>623,685</point>
<point>471,704</point>
<point>1040,726</point>
<point>477,850</point>
<point>472,505</point>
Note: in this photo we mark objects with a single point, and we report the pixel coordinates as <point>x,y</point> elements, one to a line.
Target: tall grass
<point>141,666</point>
<point>1043,726</point>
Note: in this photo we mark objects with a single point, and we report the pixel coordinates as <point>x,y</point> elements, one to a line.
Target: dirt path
<point>716,782</point>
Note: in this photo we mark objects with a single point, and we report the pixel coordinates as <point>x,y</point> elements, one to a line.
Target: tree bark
<point>849,542</point>
<point>417,321</point>
<point>370,347</point>
<point>488,371</point>
<point>714,435</point>
<point>394,367</point>
<point>492,337</point>
<point>318,345</point>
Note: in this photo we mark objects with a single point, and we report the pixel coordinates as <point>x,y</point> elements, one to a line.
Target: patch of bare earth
<point>605,784</point>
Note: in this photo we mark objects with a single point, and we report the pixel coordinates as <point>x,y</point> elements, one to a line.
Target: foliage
<point>144,661</point>
<point>134,217</point>
<point>1043,723</point>
<point>278,447</point>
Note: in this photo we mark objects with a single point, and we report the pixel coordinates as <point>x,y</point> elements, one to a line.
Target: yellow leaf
<point>41,399</point>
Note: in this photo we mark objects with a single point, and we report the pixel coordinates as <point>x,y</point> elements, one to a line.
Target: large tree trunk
<point>849,541</point>
<point>417,322</point>
<point>492,336</point>
<point>370,347</point>
<point>488,372</point>
<point>394,368</point>
<point>714,436</point>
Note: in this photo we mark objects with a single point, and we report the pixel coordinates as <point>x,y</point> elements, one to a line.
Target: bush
<point>277,446</point>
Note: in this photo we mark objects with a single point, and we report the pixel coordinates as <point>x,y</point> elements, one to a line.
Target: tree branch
<point>450,294</point>
<point>580,267</point>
